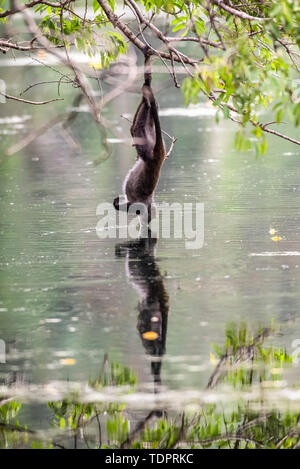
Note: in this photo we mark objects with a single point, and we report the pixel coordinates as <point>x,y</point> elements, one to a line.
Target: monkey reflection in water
<point>144,274</point>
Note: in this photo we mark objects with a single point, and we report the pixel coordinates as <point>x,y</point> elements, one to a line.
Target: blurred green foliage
<point>247,56</point>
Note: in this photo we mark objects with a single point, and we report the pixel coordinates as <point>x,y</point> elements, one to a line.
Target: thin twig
<point>36,103</point>
<point>238,13</point>
<point>42,83</point>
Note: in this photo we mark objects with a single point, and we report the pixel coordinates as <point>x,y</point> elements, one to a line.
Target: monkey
<point>141,180</point>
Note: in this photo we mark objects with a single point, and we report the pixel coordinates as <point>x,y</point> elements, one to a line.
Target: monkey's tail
<point>147,68</point>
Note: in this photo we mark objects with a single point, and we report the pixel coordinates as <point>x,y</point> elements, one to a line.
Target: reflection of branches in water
<point>140,428</point>
<point>267,429</point>
<point>243,426</point>
<point>242,354</point>
<point>15,428</point>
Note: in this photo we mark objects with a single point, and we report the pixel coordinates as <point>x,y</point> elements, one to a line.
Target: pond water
<point>72,304</point>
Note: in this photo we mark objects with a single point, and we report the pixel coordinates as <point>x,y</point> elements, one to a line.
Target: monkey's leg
<point>143,130</point>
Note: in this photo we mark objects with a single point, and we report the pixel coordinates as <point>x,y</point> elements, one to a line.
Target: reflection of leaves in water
<point>242,348</point>
<point>238,426</point>
<point>117,429</point>
<point>114,374</point>
<point>9,411</point>
<point>12,434</point>
<point>73,415</point>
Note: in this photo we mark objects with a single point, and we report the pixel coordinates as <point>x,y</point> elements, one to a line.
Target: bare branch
<point>290,53</point>
<point>217,45</point>
<point>80,78</point>
<point>173,141</point>
<point>10,45</point>
<point>173,72</point>
<point>43,83</point>
<point>274,132</point>
<point>238,13</point>
<point>36,103</point>
<point>19,8</point>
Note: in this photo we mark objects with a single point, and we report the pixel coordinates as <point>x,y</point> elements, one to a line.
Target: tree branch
<point>238,13</point>
<point>80,78</point>
<point>10,45</point>
<point>274,132</point>
<point>36,103</point>
<point>217,45</point>
<point>117,23</point>
<point>256,124</point>
<point>19,8</point>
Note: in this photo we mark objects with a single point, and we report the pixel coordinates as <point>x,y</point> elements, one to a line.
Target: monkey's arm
<point>123,206</point>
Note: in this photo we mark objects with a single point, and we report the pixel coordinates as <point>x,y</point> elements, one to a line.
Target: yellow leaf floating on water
<point>272,231</point>
<point>67,361</point>
<point>150,335</point>
<point>276,371</point>
<point>212,359</point>
<point>276,238</point>
<point>96,65</point>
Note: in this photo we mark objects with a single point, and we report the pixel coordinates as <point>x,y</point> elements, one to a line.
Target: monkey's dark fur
<point>143,272</point>
<point>141,180</point>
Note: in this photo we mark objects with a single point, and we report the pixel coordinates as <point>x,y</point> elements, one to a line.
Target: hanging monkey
<point>141,180</point>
